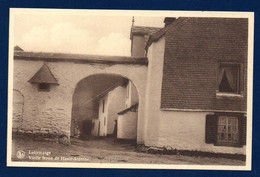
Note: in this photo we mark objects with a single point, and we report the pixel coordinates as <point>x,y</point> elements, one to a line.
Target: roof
<point>143,30</point>
<point>156,36</point>
<point>134,107</point>
<point>17,48</point>
<point>107,90</point>
<point>193,49</point>
<point>79,58</point>
<point>43,75</point>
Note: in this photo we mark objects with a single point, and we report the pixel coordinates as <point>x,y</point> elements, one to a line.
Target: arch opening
<point>105,105</point>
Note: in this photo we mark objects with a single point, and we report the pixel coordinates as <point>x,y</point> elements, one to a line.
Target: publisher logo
<point>20,154</point>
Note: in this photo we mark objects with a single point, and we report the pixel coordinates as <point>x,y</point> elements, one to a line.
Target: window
<point>44,87</point>
<point>230,78</point>
<point>226,129</point>
<point>103,106</point>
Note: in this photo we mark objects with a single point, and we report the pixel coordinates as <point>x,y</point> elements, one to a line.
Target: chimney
<point>138,36</point>
<point>168,20</point>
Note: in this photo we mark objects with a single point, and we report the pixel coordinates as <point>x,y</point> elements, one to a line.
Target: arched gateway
<point>48,82</point>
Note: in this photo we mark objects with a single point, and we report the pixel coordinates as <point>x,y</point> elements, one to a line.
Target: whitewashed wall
<point>116,103</point>
<point>102,116</point>
<point>127,126</point>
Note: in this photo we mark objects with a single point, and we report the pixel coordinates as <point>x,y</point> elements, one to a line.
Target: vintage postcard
<point>130,89</point>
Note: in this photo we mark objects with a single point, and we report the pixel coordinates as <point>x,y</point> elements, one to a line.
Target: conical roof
<point>43,75</point>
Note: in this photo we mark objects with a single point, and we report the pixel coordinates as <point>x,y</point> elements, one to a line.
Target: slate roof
<point>79,58</point>
<point>43,75</point>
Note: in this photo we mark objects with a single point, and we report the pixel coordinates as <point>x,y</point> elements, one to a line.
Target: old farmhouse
<point>184,88</point>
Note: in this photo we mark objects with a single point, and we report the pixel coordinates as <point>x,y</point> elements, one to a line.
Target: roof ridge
<point>156,36</point>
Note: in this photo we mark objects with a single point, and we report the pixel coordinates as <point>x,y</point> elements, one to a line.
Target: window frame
<point>233,144</point>
<point>240,86</point>
<point>211,129</point>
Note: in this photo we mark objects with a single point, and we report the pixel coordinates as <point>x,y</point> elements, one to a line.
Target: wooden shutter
<point>211,128</point>
<point>243,130</point>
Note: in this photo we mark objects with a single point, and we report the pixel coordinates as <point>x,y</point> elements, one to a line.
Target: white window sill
<point>229,95</point>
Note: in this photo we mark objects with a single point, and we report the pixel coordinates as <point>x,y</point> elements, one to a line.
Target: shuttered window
<point>226,129</point>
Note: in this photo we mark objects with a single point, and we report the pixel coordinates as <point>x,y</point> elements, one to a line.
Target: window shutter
<point>243,130</point>
<point>211,128</point>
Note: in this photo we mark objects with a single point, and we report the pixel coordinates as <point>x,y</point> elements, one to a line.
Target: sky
<point>77,33</point>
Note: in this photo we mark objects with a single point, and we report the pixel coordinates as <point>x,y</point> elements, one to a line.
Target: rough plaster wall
<point>127,124</point>
<point>153,92</point>
<point>43,111</point>
<point>172,129</point>
<point>186,131</point>
<point>50,112</point>
<point>116,103</point>
<point>17,110</point>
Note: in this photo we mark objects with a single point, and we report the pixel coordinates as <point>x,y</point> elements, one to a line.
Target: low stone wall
<point>61,139</point>
<point>165,151</point>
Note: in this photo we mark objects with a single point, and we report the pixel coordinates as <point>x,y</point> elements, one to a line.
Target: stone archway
<point>118,94</point>
<point>50,112</point>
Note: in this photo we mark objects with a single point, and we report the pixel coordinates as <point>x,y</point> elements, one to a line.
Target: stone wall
<point>18,104</point>
<point>50,112</point>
